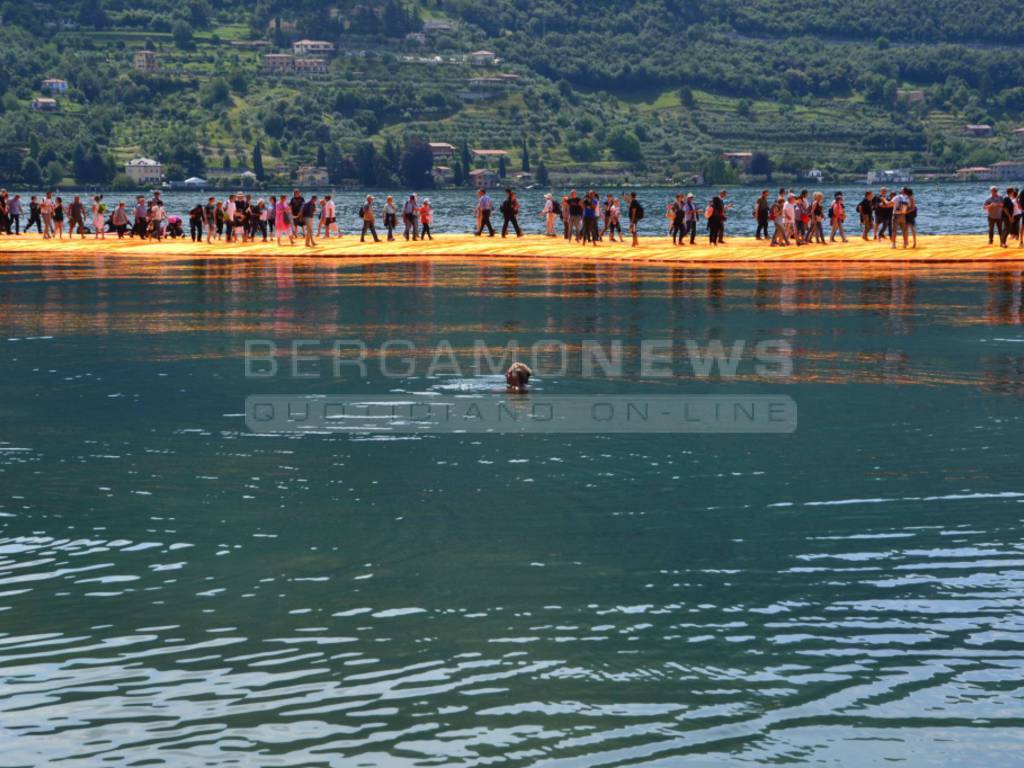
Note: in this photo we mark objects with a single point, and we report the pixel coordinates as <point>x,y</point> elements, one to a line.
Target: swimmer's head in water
<point>517,377</point>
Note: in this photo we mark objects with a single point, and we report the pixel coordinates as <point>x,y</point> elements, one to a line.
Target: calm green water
<point>177,591</point>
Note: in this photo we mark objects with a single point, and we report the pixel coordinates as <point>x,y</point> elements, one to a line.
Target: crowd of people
<point>794,218</point>
<point>1005,215</point>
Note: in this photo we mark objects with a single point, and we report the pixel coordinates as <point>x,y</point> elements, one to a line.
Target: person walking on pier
<point>636,214</point>
<point>426,215</point>
<point>837,216</point>
<point>993,207</point>
<point>15,214</point>
<point>866,210</point>
<point>308,216</point>
<point>366,214</point>
<point>548,213</point>
<point>391,217</point>
<point>409,218</point>
<point>35,214</point>
<point>46,213</point>
<point>510,214</point>
<point>761,210</point>
<point>484,206</point>
<point>282,221</point>
<point>59,214</point>
<point>76,217</point>
<point>575,217</point>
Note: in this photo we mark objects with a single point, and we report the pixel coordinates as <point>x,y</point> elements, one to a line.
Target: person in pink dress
<point>282,222</point>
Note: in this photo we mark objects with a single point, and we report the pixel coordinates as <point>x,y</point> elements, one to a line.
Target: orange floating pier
<point>737,252</point>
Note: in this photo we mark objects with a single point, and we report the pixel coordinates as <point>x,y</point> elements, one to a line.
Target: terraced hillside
<point>646,90</point>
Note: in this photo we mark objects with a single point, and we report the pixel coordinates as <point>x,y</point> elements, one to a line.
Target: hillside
<point>653,89</point>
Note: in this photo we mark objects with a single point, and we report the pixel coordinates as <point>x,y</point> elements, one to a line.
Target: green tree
<point>91,14</point>
<point>54,174</point>
<point>543,177</point>
<point>257,161</point>
<point>761,165</point>
<point>416,165</point>
<point>181,31</point>
<point>502,167</point>
<point>30,172</point>
<point>526,157</point>
<point>625,145</point>
<point>366,164</point>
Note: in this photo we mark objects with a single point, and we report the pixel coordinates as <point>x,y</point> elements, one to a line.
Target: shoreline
<point>738,251</point>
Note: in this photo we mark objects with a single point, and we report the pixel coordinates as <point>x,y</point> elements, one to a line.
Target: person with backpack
<point>900,208</point>
<point>368,219</point>
<point>837,215</point>
<point>636,215</point>
<point>510,214</point>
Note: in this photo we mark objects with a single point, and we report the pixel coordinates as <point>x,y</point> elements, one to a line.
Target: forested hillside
<point>651,89</point>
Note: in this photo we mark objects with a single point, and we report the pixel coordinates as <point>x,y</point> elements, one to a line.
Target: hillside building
<point>979,131</point>
<point>482,58</point>
<point>1008,170</point>
<point>311,176</point>
<point>145,61</point>
<point>313,48</point>
<point>44,104</point>
<point>144,170</point>
<point>55,85</point>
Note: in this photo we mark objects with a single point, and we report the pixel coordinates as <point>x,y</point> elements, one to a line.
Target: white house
<point>312,48</point>
<point>144,170</point>
<point>482,58</point>
<point>1008,170</point>
<point>891,176</point>
<point>978,130</point>
<point>44,105</point>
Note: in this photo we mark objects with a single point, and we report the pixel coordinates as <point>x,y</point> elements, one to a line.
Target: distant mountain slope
<point>647,89</point>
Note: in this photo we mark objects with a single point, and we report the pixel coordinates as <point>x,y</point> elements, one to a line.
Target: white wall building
<point>144,170</point>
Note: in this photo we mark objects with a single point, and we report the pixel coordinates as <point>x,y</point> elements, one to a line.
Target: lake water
<point>944,208</point>
<point>178,591</point>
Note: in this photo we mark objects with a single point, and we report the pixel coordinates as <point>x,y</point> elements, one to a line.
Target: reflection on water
<point>175,591</point>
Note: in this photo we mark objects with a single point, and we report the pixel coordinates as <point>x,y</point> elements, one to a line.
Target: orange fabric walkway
<point>739,251</point>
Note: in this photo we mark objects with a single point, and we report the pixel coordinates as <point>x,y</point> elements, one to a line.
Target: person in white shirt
<point>229,219</point>
<point>548,212</point>
<point>789,216</point>
<point>328,217</point>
